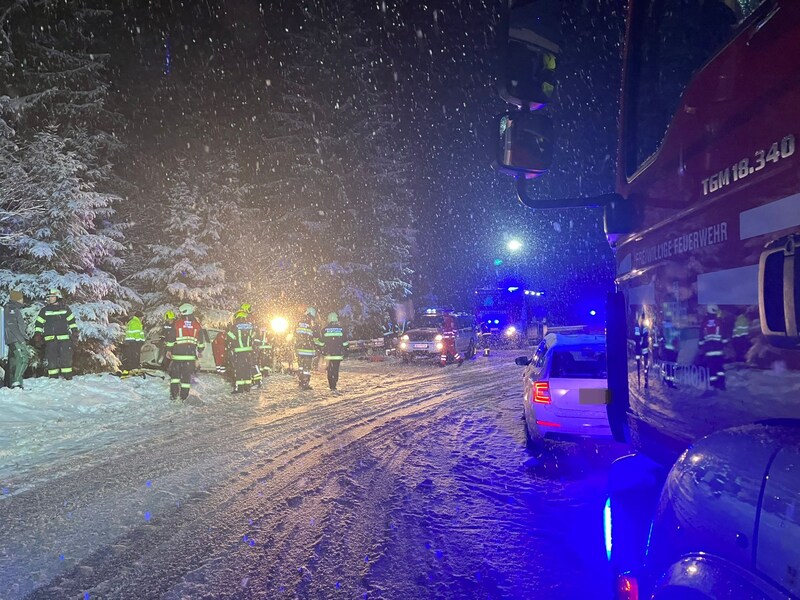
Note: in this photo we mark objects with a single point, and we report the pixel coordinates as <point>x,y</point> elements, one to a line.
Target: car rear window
<point>579,363</point>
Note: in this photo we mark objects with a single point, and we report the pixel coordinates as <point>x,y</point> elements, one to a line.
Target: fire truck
<point>509,315</point>
<point>702,329</point>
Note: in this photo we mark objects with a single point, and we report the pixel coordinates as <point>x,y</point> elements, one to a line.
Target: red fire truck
<point>703,343</point>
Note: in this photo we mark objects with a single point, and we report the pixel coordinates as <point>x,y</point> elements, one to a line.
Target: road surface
<point>412,483</point>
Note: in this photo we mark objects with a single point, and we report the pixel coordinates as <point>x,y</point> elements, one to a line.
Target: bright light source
<point>511,330</point>
<point>403,345</point>
<point>514,245</point>
<point>438,337</point>
<point>496,322</point>
<point>279,325</point>
<point>607,526</point>
<point>593,312</point>
<point>405,338</point>
<point>439,345</point>
<point>513,289</point>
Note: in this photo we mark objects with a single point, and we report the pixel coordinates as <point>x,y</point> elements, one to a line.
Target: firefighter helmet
<point>169,315</point>
<point>311,311</point>
<point>56,293</point>
<point>241,314</point>
<point>333,317</point>
<point>186,309</point>
<point>246,308</point>
<point>712,309</point>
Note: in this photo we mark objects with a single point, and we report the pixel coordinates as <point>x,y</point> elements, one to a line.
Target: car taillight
<point>541,392</point>
<point>627,587</point>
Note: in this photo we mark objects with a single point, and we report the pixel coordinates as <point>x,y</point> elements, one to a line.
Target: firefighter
<point>449,351</point>
<point>265,351</point>
<point>389,331</point>
<point>484,337</point>
<point>240,346</point>
<point>184,346</point>
<point>304,342</point>
<point>333,342</point>
<point>220,350</point>
<point>56,327</point>
<point>741,337</point>
<point>166,332</point>
<point>132,346</point>
<point>711,347</point>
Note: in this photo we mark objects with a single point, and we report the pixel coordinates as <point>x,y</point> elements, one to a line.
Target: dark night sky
<point>441,59</point>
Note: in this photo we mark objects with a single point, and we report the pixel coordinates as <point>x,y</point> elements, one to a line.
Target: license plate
<point>423,346</point>
<point>593,396</point>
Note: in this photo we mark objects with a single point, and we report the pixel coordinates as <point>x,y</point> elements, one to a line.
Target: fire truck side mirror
<point>530,51</point>
<point>779,292</point>
<point>526,144</point>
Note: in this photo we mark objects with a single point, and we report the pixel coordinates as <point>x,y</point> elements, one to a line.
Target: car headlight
<point>438,337</point>
<point>405,338</point>
<point>439,346</point>
<point>511,330</point>
<point>403,345</point>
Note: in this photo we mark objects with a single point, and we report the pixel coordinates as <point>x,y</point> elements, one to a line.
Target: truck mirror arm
<point>601,201</point>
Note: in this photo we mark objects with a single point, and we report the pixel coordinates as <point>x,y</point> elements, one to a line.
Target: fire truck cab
<point>703,343</point>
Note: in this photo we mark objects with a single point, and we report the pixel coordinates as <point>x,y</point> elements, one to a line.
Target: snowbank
<point>52,420</point>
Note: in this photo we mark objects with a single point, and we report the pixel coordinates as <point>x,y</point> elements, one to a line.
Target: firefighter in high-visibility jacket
<point>132,346</point>
<point>712,347</point>
<point>240,336</point>
<point>741,337</point>
<point>333,342</point>
<point>305,346</point>
<point>56,327</point>
<point>184,346</point>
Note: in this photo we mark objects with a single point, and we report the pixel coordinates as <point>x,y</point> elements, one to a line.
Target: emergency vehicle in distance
<point>703,343</point>
<point>441,335</point>
<point>509,314</point>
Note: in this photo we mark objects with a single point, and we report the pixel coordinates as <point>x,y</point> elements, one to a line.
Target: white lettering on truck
<point>687,242</point>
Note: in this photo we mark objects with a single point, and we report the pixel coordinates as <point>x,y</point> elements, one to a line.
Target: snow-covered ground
<point>412,483</point>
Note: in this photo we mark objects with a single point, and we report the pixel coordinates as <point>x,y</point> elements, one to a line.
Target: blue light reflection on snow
<point>607,526</point>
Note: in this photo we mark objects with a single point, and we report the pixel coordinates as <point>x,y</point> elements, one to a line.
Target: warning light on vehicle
<point>593,312</point>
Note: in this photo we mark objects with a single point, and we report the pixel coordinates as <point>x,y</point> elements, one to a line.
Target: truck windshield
<point>671,40</point>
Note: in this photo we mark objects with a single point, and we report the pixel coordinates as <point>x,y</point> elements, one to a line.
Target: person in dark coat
<point>56,327</point>
<point>333,343</point>
<point>16,339</point>
<point>166,331</point>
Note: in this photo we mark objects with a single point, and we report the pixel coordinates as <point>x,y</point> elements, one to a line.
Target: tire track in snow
<point>351,463</point>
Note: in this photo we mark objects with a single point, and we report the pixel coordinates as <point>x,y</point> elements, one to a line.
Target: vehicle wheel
<point>471,350</point>
<point>533,439</point>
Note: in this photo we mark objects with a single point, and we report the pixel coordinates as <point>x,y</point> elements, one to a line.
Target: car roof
<point>564,339</point>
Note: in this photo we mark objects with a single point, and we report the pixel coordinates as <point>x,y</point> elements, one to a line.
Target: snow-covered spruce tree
<point>56,163</point>
<point>71,245</point>
<point>186,265</point>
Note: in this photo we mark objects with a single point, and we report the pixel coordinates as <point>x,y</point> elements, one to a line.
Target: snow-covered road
<point>413,483</point>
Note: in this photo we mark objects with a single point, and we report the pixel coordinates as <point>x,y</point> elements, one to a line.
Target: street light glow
<point>514,245</point>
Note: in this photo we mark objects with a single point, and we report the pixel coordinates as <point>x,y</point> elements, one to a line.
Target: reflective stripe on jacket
<point>56,322</point>
<point>185,339</point>
<point>305,339</point>
<point>135,331</point>
<point>333,342</point>
<point>240,337</point>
